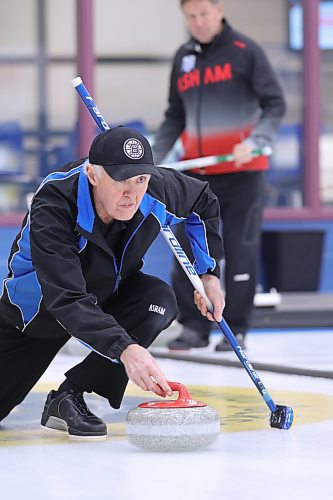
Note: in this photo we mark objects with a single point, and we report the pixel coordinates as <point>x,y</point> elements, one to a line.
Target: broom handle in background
<point>184,261</point>
<point>209,161</point>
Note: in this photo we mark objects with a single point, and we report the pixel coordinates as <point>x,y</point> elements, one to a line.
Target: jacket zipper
<point>118,275</point>
<point>118,271</point>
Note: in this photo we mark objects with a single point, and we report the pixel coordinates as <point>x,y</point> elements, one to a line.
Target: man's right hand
<point>142,370</point>
<point>242,153</point>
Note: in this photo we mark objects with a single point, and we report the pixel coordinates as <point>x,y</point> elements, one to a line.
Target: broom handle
<point>209,161</point>
<point>223,326</point>
<point>183,260</point>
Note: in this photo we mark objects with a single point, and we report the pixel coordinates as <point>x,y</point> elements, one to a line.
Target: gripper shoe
<point>68,411</point>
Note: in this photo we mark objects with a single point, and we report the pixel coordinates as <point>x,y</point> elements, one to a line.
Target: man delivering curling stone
<point>74,271</point>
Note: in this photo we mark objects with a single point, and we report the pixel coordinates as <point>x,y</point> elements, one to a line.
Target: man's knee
<point>163,305</point>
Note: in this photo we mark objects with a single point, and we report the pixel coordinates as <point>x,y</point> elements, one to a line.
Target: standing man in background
<point>224,97</point>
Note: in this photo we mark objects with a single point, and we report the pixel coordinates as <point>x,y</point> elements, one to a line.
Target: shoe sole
<point>73,437</point>
<point>57,424</point>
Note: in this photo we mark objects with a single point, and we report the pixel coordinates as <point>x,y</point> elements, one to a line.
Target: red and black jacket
<point>220,95</point>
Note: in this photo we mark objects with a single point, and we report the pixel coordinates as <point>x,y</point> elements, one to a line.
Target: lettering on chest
<point>211,75</point>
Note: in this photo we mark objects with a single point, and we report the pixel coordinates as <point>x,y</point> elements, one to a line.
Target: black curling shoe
<point>224,345</point>
<point>68,412</point>
<point>187,339</point>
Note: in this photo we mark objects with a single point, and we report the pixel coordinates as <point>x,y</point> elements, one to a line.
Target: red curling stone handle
<point>184,399</point>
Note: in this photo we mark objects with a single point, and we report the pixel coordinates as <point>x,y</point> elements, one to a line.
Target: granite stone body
<point>172,429</point>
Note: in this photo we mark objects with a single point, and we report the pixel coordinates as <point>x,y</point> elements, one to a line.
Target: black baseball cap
<point>123,152</point>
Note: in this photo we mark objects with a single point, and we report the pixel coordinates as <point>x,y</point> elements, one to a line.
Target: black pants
<point>240,198</point>
<point>23,359</point>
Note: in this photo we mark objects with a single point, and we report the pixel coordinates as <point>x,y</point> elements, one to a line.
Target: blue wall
<point>159,258</point>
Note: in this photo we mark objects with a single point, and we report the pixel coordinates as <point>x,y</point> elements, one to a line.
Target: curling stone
<point>173,425</point>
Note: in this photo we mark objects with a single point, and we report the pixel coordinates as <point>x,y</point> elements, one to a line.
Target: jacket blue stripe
<point>194,227</point>
<point>61,176</point>
<point>196,232</point>
<point>86,214</point>
<point>23,287</point>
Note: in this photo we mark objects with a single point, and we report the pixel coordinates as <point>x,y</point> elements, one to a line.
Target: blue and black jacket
<point>62,270</point>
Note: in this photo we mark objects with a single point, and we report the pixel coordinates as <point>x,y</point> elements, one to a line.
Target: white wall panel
<point>18,27</point>
<point>19,97</point>
<point>152,27</point>
<point>128,92</point>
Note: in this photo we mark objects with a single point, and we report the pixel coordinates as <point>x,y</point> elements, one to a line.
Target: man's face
<point>117,200</point>
<point>203,19</point>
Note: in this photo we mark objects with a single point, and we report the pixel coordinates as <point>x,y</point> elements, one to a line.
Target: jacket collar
<point>219,39</point>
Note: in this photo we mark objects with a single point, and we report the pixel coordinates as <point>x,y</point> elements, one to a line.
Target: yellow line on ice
<point>241,409</point>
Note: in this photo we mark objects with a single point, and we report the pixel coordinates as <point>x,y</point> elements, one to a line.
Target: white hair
<point>97,169</point>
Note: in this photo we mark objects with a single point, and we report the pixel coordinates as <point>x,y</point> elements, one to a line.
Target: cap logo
<point>133,149</point>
